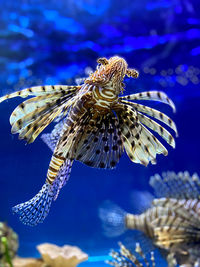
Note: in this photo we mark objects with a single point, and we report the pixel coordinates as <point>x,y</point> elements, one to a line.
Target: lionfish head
<point>110,72</point>
<point>116,68</point>
<point>113,70</point>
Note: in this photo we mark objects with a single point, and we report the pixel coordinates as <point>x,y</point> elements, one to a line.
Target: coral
<point>66,256</point>
<point>27,262</point>
<point>125,258</point>
<point>8,244</point>
<point>53,256</point>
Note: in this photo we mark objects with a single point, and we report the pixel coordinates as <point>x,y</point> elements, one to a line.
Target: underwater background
<point>57,42</point>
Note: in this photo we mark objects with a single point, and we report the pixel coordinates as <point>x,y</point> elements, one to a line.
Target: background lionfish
<point>98,126</point>
<point>125,258</point>
<point>172,222</point>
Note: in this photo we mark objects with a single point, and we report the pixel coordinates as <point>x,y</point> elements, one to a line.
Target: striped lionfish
<point>97,126</point>
<point>172,221</point>
<point>125,258</point>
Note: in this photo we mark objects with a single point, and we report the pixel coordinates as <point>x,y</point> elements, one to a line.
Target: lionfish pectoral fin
<point>138,143</point>
<point>32,130</point>
<point>156,114</point>
<point>32,116</point>
<point>36,209</point>
<point>151,95</point>
<point>40,91</point>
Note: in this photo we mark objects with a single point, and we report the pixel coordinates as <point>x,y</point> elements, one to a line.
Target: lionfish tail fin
<point>113,219</point>
<point>36,209</point>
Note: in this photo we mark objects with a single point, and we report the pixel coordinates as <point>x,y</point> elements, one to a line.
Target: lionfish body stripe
<point>97,125</point>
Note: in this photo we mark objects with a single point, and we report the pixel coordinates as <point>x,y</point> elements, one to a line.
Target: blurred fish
<point>172,221</point>
<point>98,125</point>
<point>179,230</point>
<point>125,258</point>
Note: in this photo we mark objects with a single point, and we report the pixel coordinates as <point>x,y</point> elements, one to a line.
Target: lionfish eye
<point>102,61</point>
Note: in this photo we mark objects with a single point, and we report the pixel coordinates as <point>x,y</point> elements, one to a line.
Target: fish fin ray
<point>159,147</point>
<point>183,208</point>
<point>179,186</point>
<point>41,90</point>
<point>101,146</point>
<point>31,124</point>
<point>153,113</point>
<point>137,140</point>
<point>157,128</point>
<point>151,95</point>
<point>34,103</point>
<point>32,130</point>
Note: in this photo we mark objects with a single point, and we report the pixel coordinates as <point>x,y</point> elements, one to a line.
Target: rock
<point>66,256</point>
<point>27,262</point>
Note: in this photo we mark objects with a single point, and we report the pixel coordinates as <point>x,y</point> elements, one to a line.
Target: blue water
<point>54,42</point>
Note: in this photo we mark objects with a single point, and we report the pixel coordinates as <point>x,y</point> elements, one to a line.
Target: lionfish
<point>172,221</point>
<point>125,258</point>
<point>97,125</point>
